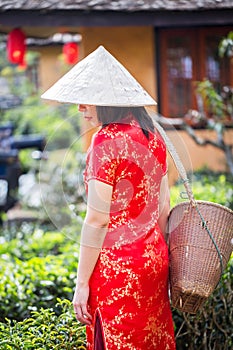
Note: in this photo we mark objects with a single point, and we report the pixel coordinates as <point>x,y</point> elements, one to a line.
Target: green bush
<point>51,121</point>
<point>56,327</point>
<point>38,243</point>
<point>211,327</point>
<point>44,329</point>
<point>35,283</point>
<point>207,186</point>
<point>36,268</point>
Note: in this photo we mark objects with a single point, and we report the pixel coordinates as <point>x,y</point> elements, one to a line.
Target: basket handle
<point>177,161</point>
<point>182,172</point>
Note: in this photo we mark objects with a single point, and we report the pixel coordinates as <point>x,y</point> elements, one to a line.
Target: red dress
<point>129,286</point>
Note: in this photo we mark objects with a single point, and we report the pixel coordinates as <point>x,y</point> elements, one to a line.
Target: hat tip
<point>101,48</point>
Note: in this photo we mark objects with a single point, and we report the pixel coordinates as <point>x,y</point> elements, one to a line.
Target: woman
<point>122,280</point>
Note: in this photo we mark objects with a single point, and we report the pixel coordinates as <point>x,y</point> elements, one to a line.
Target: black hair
<point>108,114</point>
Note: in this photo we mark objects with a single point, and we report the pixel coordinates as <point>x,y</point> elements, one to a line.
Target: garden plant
<point>37,279</point>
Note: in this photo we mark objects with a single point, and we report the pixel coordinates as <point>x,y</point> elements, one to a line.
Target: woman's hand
<point>80,305</point>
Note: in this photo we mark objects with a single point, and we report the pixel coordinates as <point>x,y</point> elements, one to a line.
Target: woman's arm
<point>164,205</point>
<point>92,236</point>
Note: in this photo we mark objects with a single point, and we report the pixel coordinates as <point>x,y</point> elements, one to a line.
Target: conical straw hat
<point>99,79</point>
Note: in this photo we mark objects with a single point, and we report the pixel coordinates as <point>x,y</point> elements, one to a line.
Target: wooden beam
<point>76,18</point>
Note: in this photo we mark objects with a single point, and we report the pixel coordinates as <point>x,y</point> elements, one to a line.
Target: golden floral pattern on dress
<point>129,285</point>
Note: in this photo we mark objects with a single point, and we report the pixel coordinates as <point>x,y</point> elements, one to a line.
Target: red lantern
<point>70,52</point>
<point>16,46</point>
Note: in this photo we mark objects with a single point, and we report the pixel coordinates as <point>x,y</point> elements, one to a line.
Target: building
<point>167,45</point>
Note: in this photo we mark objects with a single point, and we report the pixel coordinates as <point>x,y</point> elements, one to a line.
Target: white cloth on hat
<point>100,80</point>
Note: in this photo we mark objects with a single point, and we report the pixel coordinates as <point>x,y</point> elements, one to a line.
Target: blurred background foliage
<point>207,186</point>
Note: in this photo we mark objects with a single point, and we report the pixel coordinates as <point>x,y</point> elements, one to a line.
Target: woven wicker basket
<point>195,264</point>
<point>200,244</point>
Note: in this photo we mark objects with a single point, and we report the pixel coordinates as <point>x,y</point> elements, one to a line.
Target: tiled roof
<point>115,5</point>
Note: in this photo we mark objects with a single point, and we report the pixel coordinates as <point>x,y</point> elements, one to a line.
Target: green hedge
<point>211,327</point>
<point>39,244</point>
<point>207,186</point>
<point>56,328</point>
<point>38,267</point>
<point>44,330</point>
<point>35,283</point>
<point>35,271</point>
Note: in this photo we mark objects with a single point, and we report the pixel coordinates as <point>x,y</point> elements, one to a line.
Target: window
<point>186,56</point>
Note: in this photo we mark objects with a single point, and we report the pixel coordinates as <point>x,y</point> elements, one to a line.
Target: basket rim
<point>185,203</point>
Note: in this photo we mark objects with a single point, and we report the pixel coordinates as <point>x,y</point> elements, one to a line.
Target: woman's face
<point>89,113</point>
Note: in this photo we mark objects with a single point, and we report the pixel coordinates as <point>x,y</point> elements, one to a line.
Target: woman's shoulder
<point>104,133</point>
<point>110,131</point>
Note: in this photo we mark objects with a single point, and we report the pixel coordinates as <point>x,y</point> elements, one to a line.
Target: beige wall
<point>194,156</point>
<point>132,46</point>
<point>49,67</point>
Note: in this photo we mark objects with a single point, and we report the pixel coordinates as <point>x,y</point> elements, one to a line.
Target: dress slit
<point>99,343</point>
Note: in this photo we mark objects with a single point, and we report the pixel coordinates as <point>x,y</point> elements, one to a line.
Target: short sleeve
<point>102,160</point>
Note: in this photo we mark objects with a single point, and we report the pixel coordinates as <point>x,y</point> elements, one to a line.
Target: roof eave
<point>79,18</point>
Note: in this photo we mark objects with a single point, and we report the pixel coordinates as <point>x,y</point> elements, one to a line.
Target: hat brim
<point>99,79</point>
